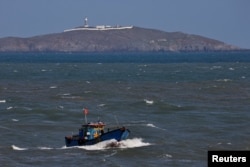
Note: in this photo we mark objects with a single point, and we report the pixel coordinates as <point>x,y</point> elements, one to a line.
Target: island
<point>113,38</point>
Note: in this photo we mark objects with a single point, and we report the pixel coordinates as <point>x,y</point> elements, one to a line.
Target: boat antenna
<point>117,122</point>
<point>85,112</point>
<point>99,114</point>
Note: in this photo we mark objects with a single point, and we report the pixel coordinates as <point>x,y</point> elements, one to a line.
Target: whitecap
<point>133,143</point>
<point>215,67</point>
<point>53,87</point>
<point>149,101</point>
<point>18,148</point>
<point>99,146</point>
<point>9,108</point>
<point>223,80</point>
<point>45,148</point>
<point>61,107</point>
<point>101,105</point>
<point>66,94</point>
<point>71,97</point>
<point>168,156</point>
<point>15,120</point>
<point>2,101</point>
<point>87,91</point>
<point>27,108</point>
<point>153,126</point>
<point>128,143</point>
<point>64,147</point>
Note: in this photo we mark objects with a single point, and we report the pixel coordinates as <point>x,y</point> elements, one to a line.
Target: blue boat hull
<point>117,134</point>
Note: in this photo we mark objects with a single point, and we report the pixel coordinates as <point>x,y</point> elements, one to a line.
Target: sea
<point>177,106</point>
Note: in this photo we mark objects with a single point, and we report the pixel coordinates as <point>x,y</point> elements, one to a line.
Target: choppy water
<point>177,107</point>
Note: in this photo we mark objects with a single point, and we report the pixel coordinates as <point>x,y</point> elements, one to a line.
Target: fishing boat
<point>94,132</point>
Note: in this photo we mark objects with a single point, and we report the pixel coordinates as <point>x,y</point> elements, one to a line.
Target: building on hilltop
<point>98,27</point>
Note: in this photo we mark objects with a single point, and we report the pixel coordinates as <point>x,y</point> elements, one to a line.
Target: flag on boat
<point>85,111</point>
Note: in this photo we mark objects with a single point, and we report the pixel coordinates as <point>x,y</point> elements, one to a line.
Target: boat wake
<point>133,143</point>
<point>129,143</point>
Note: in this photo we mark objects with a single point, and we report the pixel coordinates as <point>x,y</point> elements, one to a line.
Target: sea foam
<point>18,148</point>
<point>149,101</point>
<point>128,143</point>
<point>2,101</point>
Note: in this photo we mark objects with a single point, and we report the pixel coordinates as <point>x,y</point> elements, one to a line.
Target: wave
<point>3,127</point>
<point>223,80</point>
<point>129,143</point>
<point>149,101</point>
<point>16,107</point>
<point>18,148</point>
<point>2,101</point>
<point>133,143</point>
<point>102,105</point>
<point>53,87</point>
<point>14,147</point>
<point>15,120</point>
<point>99,146</point>
<point>9,108</point>
<point>216,67</point>
<point>45,148</point>
<point>153,126</point>
<point>71,97</point>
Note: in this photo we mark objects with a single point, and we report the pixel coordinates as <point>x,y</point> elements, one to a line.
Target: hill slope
<point>135,39</point>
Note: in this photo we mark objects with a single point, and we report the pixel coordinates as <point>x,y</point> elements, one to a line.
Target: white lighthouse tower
<point>86,22</point>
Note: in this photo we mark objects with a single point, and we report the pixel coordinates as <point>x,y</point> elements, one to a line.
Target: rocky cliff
<point>135,39</point>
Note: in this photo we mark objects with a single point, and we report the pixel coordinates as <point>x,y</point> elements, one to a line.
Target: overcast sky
<point>224,20</point>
